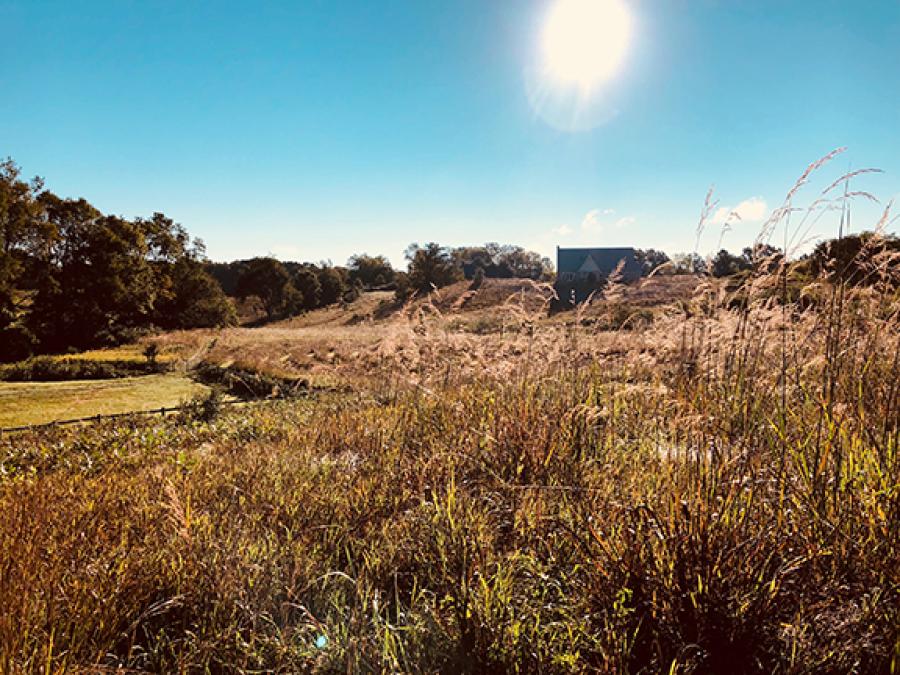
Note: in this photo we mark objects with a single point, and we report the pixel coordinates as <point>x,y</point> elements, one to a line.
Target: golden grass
<point>717,491</point>
<point>131,353</point>
<point>552,500</point>
<point>351,344</point>
<point>24,403</point>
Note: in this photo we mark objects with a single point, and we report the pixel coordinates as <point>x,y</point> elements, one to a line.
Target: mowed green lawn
<point>38,402</point>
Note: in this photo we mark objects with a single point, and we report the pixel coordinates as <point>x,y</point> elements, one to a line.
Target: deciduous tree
<point>430,266</point>
<point>370,270</point>
<point>306,281</point>
<point>332,283</point>
<point>268,280</point>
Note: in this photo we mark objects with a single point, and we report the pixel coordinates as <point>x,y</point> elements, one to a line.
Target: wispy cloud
<point>593,222</point>
<point>751,210</point>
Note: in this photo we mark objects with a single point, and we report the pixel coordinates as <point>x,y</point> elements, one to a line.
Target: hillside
<point>344,343</point>
<point>552,496</point>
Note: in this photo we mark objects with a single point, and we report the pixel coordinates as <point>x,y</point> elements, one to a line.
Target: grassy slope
<point>318,334</point>
<point>344,344</point>
<point>560,500</point>
<point>39,402</point>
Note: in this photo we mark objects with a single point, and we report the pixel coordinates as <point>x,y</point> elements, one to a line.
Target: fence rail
<point>133,413</point>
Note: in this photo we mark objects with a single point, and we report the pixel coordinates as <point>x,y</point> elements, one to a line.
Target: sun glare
<point>584,41</point>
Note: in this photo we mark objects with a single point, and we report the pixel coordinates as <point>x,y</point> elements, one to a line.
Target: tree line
<point>288,288</point>
<point>432,266</point>
<point>848,259</point>
<point>74,278</point>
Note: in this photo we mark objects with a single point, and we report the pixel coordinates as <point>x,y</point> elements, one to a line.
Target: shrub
<point>57,369</point>
<point>204,407</point>
<point>477,279</point>
<point>403,291</point>
<point>248,384</point>
<point>151,351</point>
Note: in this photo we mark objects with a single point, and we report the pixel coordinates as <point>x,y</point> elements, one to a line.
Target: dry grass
<point>717,491</point>
<point>131,353</point>
<point>556,499</point>
<point>350,344</point>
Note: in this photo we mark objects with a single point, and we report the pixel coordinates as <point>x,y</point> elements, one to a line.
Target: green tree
<point>503,262</point>
<point>370,270</point>
<point>20,233</point>
<point>97,285</point>
<point>91,279</point>
<point>167,241</point>
<point>227,274</point>
<point>724,264</point>
<point>306,281</point>
<point>332,284</point>
<point>688,263</point>
<point>403,290</point>
<point>649,259</point>
<point>187,296</point>
<point>195,301</point>
<point>525,264</point>
<point>430,267</point>
<point>268,280</point>
<point>477,256</point>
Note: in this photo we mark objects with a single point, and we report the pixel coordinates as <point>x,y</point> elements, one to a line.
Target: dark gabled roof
<point>571,259</point>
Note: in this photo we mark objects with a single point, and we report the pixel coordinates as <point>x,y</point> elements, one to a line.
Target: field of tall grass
<point>715,491</point>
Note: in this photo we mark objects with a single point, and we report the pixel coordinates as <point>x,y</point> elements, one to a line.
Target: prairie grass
<point>347,345</point>
<point>714,491</point>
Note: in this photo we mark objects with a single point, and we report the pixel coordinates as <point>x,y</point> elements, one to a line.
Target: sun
<point>584,41</point>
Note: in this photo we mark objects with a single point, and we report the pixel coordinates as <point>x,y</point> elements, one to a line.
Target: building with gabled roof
<point>581,271</point>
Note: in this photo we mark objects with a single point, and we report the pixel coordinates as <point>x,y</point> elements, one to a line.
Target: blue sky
<point>316,129</point>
